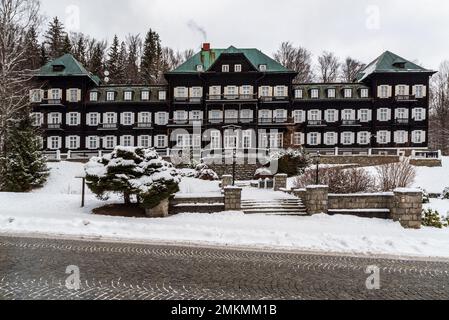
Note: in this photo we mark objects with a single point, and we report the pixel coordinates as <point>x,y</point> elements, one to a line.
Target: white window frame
<point>37,119</point>
<point>128,96</point>
<point>384,115</point>
<point>331,93</point>
<point>145,95</point>
<point>162,95</point>
<point>127,141</point>
<point>419,137</point>
<point>161,141</point>
<point>364,115</point>
<point>315,93</point>
<point>73,119</point>
<point>72,95</point>
<point>161,118</point>
<point>330,119</point>
<point>127,118</point>
<point>348,93</point>
<point>364,93</point>
<point>299,116</point>
<point>109,142</point>
<point>299,93</point>
<point>383,137</point>
<point>238,68</point>
<point>347,138</point>
<point>54,143</point>
<point>110,96</point>
<point>92,142</point>
<point>363,138</point>
<point>144,138</point>
<point>262,67</point>
<point>36,95</point>
<point>330,138</point>
<point>313,138</point>
<point>298,139</point>
<point>225,68</point>
<point>72,142</point>
<point>93,96</point>
<point>401,137</point>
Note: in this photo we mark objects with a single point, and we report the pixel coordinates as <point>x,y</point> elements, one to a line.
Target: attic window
<point>200,68</point>
<point>263,67</point>
<point>399,64</point>
<point>58,67</point>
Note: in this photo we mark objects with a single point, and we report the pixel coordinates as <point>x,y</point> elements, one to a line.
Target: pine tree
<point>151,59</point>
<point>96,63</point>
<point>55,39</point>
<point>132,68</point>
<point>23,168</point>
<point>43,57</point>
<point>113,61</point>
<point>32,50</point>
<point>66,45</point>
<point>122,61</point>
<point>79,49</point>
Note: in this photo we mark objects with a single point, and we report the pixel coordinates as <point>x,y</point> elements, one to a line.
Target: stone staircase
<point>278,207</point>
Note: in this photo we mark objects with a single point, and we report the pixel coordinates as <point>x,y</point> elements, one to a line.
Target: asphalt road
<point>36,269</point>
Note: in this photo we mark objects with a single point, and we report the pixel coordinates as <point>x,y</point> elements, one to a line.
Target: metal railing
<point>231,97</point>
<point>143,125</point>
<point>405,98</point>
<point>108,126</point>
<point>54,126</point>
<point>350,122</point>
<point>401,121</point>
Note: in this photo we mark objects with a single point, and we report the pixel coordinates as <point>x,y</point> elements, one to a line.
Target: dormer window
<point>348,93</point>
<point>200,68</point>
<point>145,95</point>
<point>298,94</point>
<point>58,68</point>
<point>315,93</point>
<point>162,95</point>
<point>225,68</point>
<point>364,93</point>
<point>93,96</point>
<point>110,96</point>
<point>331,93</point>
<point>263,67</point>
<point>238,68</point>
<point>128,96</point>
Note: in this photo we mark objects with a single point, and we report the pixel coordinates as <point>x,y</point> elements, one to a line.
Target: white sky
<point>416,30</point>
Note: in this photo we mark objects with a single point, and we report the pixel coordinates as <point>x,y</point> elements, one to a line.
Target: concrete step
<point>275,211</point>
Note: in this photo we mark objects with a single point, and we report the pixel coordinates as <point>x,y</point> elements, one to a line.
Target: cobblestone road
<point>35,269</point>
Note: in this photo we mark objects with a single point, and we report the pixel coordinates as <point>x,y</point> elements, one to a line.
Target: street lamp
<point>234,159</point>
<point>318,156</point>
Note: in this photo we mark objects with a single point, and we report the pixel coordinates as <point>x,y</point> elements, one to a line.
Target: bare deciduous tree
<point>396,175</point>
<point>16,19</point>
<point>350,69</point>
<point>329,67</point>
<point>297,59</point>
<point>439,117</point>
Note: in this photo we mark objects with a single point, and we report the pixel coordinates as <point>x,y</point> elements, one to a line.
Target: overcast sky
<point>417,30</point>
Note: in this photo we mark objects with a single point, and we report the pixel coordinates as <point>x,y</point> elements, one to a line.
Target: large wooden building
<point>235,99</point>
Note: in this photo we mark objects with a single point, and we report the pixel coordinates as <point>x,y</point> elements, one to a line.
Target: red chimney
<point>206,46</point>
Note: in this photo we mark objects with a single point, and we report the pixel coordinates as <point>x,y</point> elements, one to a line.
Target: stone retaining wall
<point>432,163</point>
<point>364,161</point>
<point>358,201</point>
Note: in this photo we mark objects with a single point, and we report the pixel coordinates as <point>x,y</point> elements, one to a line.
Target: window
<point>314,139</point>
<point>419,114</point>
<point>401,137</point>
<point>238,68</point>
<point>162,95</point>
<point>92,142</point>
<point>298,94</point>
<point>215,115</point>
<point>144,118</point>
<point>299,116</point>
<point>55,94</point>
<point>364,138</point>
<point>181,92</point>
<point>384,91</point>
<point>364,115</point>
<point>246,115</point>
<point>161,118</point>
<point>183,140</point>
<point>225,68</point>
<point>330,138</point>
<point>401,90</point>
<point>314,115</point>
<point>36,119</point>
<point>331,93</point>
<point>348,115</point>
<point>315,93</point>
<point>331,116</point>
<point>110,96</point>
<point>110,118</point>
<point>348,93</point>
<point>145,95</point>
<point>73,119</point>
<point>298,138</point>
<point>419,91</point>
<point>419,137</point>
<point>54,143</point>
<point>281,91</point>
<point>263,68</point>
<point>383,137</point>
<point>128,96</point>
<point>54,118</point>
<point>265,116</point>
<point>36,95</point>
<point>215,140</point>
<point>247,91</point>
<point>196,115</point>
<point>200,68</point>
<point>280,115</point>
<point>265,91</point>
<point>93,96</point>
<point>180,116</point>
<point>364,93</point>
<point>72,142</point>
<point>72,95</point>
<point>231,92</point>
<point>232,116</point>
<point>144,141</point>
<point>347,138</point>
<point>127,118</point>
<point>197,92</point>
<point>402,114</point>
<point>215,92</point>
<point>127,141</point>
<point>161,141</point>
<point>110,142</point>
<point>384,115</point>
<point>247,137</point>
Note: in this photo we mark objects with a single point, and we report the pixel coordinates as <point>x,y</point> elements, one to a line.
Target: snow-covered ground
<point>55,210</point>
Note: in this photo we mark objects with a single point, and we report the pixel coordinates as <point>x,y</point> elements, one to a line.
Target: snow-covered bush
<point>203,172</point>
<point>396,175</point>
<point>133,171</point>
<point>292,162</point>
<point>263,173</point>
<point>445,194</point>
<point>425,196</point>
<point>339,180</point>
<point>431,218</point>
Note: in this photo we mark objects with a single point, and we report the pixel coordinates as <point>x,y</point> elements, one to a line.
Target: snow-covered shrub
<point>396,175</point>
<point>263,173</point>
<point>292,162</point>
<point>431,218</point>
<point>203,172</point>
<point>445,194</point>
<point>133,171</point>
<point>339,180</point>
<point>425,196</point>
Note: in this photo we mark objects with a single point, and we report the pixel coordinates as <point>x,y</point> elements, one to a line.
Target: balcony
<point>54,126</point>
<point>184,100</point>
<point>405,98</point>
<point>402,121</point>
<point>108,126</point>
<point>316,123</point>
<point>185,122</point>
<point>270,121</point>
<point>52,102</point>
<point>143,125</point>
<point>349,123</point>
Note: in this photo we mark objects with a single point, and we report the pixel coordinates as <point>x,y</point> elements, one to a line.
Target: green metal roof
<point>389,62</point>
<point>71,68</point>
<point>208,58</point>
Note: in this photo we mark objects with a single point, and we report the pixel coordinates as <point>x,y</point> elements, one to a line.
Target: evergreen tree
<point>113,61</point>
<point>122,61</point>
<point>66,45</point>
<point>43,58</point>
<point>54,39</point>
<point>152,58</point>
<point>79,49</point>
<point>132,68</point>
<point>32,50</point>
<point>96,63</point>
<point>23,167</point>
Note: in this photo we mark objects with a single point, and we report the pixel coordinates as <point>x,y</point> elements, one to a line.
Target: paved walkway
<point>35,269</point>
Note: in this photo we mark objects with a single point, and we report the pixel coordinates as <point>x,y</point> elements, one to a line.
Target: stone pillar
<point>407,208</point>
<point>280,182</point>
<point>232,198</point>
<point>226,181</point>
<point>317,199</point>
<point>160,211</point>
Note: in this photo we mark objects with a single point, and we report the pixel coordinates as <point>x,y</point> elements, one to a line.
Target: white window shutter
<point>139,117</point>
<point>390,91</point>
<point>122,118</point>
<point>424,91</point>
<point>389,115</point>
<point>388,137</point>
<point>67,142</point>
<point>78,142</point>
<point>67,118</point>
<point>309,139</point>
<point>79,97</point>
<point>353,114</point>
<point>424,113</point>
<point>319,138</point>
<point>378,114</point>
<point>379,91</point>
<point>59,142</point>
<point>122,140</point>
<point>78,118</point>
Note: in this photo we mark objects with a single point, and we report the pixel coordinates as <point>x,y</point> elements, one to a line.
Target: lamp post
<point>318,156</point>
<point>83,189</point>
<point>234,158</point>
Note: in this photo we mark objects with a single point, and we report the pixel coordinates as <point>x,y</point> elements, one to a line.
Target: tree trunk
<point>127,197</point>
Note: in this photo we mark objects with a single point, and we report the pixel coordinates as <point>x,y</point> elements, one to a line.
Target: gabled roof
<point>208,58</point>
<point>67,66</point>
<point>388,62</point>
